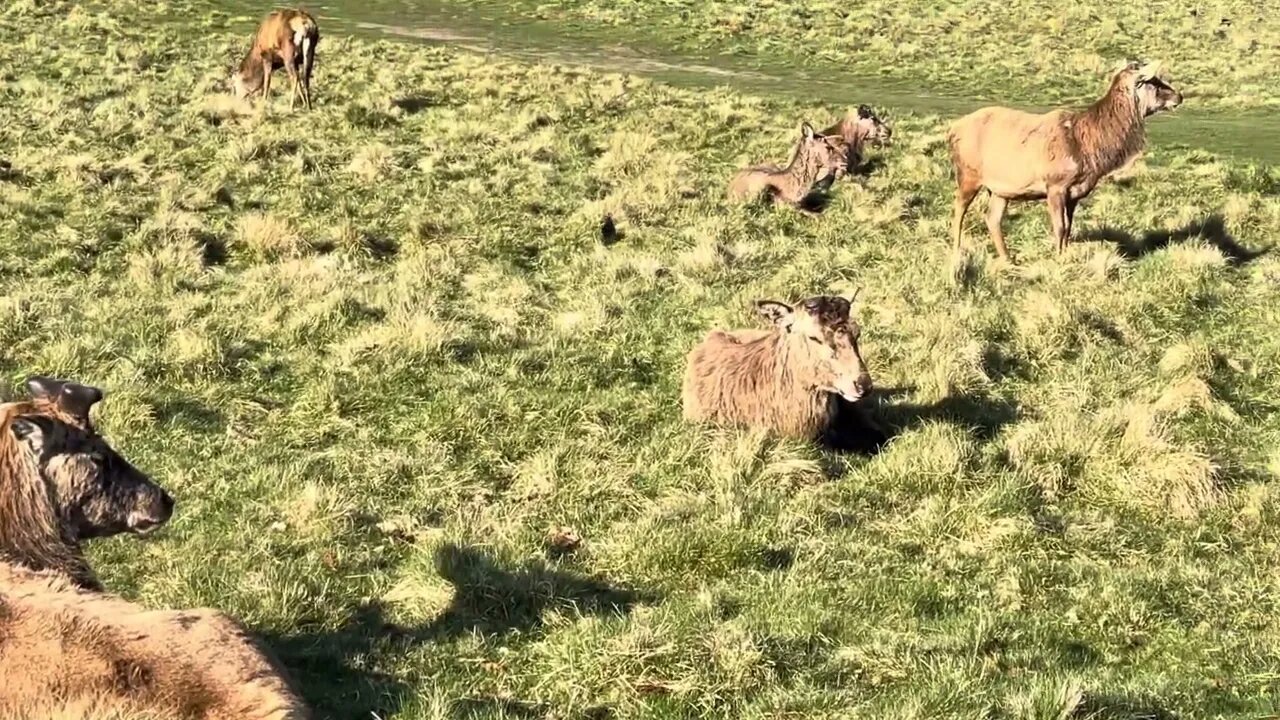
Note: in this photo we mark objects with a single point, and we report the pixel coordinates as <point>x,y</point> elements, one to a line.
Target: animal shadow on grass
<point>855,429</point>
<point>1108,707</point>
<point>816,202</point>
<point>414,103</point>
<point>1212,229</point>
<point>868,167</point>
<point>339,673</point>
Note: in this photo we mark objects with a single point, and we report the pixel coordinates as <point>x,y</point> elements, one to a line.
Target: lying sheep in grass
<point>68,650</point>
<point>789,379</point>
<point>816,158</point>
<point>859,128</point>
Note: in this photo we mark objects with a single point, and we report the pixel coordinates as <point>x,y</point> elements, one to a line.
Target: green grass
<point>1223,53</point>
<point>378,351</point>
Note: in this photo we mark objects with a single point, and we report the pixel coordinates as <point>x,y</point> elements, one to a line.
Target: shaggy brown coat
<point>68,651</point>
<point>815,158</point>
<point>61,483</point>
<point>858,128</point>
<point>1059,156</point>
<point>285,38</point>
<point>785,379</point>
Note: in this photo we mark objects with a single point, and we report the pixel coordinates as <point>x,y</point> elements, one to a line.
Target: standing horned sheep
<point>1059,156</point>
<point>285,38</point>
<point>787,379</point>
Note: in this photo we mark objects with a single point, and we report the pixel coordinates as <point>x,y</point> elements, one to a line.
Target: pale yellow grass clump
<point>1124,454</point>
<point>269,236</point>
<point>644,174</point>
<point>954,355</point>
<point>403,331</point>
<point>173,254</point>
<point>935,456</point>
<point>317,510</point>
<point>372,162</point>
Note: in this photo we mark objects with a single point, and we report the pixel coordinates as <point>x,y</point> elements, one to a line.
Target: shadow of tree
<point>1211,229</point>
<point>344,672</point>
<point>491,600</point>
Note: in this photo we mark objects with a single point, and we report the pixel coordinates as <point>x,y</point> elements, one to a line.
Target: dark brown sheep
<point>859,128</point>
<point>285,38</point>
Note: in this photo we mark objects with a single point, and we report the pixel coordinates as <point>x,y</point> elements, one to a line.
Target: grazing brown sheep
<point>1059,156</point>
<point>859,128</point>
<point>785,379</point>
<point>285,38</point>
<point>61,483</point>
<point>70,652</point>
<point>815,158</point>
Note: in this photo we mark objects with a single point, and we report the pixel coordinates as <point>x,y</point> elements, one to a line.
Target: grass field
<point>380,354</point>
<point>1222,53</point>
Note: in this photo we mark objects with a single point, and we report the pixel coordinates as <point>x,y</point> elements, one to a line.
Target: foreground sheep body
<point>70,652</point>
<point>788,379</point>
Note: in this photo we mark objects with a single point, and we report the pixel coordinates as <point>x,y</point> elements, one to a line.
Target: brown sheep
<point>1059,156</point>
<point>67,650</point>
<point>859,128</point>
<point>61,483</point>
<point>816,158</point>
<point>70,652</point>
<point>285,38</point>
<point>786,379</point>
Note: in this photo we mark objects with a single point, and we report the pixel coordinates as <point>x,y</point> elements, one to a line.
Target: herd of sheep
<point>69,648</point>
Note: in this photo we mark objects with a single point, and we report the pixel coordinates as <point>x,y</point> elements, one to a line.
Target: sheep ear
<point>807,131</point>
<point>1149,71</point>
<point>864,112</point>
<point>778,313</point>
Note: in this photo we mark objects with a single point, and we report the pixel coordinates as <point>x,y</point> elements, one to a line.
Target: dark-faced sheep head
<point>824,344</point>
<point>1151,92</point>
<point>95,490</point>
<point>870,125</point>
